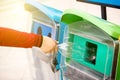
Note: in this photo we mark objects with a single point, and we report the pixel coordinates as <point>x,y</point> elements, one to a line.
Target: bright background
<point>13,15</point>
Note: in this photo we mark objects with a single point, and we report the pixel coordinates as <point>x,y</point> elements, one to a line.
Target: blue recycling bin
<point>46,21</point>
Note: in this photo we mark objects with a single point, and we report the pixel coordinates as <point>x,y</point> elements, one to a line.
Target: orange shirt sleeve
<point>14,38</point>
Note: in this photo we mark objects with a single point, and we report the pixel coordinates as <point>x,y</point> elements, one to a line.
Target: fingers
<point>55,48</point>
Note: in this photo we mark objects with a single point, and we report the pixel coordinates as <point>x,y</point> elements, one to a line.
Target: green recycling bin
<point>89,42</point>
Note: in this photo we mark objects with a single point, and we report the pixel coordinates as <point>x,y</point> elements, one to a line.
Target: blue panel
<point>52,13</point>
<point>99,1</point>
<point>45,30</point>
<point>113,3</point>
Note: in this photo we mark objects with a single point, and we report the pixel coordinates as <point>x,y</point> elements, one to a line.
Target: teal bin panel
<point>83,50</point>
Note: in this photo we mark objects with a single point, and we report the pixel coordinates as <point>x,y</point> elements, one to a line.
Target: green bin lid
<point>72,15</point>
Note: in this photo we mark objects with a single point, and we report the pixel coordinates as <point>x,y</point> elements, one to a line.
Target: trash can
<point>46,21</point>
<point>89,47</point>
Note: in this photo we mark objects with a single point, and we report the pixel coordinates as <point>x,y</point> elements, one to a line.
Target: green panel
<point>79,53</point>
<point>118,69</point>
<point>71,39</point>
<point>73,18</point>
<point>70,15</point>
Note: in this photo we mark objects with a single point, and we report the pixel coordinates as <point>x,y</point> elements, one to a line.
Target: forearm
<point>10,37</point>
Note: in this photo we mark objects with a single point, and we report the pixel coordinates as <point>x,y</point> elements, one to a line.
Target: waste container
<point>89,47</point>
<point>46,21</point>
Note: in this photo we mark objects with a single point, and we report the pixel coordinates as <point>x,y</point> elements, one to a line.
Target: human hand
<point>49,45</point>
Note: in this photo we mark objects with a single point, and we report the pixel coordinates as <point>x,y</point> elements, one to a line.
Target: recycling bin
<point>47,21</point>
<point>89,47</point>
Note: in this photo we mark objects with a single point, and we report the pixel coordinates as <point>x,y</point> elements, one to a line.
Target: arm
<point>14,38</point>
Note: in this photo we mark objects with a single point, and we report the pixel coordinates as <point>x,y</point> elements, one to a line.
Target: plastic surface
<point>46,21</point>
<point>73,15</point>
<point>52,13</point>
<point>45,18</point>
<point>88,43</point>
<point>118,67</point>
<point>85,42</point>
<point>23,64</point>
<point>75,71</point>
<point>114,3</point>
<point>43,56</point>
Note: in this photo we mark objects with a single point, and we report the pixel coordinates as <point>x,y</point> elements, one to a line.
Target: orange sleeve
<point>13,38</point>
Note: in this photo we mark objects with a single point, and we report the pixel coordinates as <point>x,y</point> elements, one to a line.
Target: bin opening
<point>91,52</point>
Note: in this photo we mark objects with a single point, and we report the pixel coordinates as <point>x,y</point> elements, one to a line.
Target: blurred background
<point>13,15</point>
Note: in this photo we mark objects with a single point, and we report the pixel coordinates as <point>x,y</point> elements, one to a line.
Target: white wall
<point>113,15</point>
<point>13,15</point>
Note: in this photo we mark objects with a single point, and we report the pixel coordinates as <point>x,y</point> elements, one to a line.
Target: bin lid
<point>90,31</point>
<point>46,14</point>
<point>72,15</point>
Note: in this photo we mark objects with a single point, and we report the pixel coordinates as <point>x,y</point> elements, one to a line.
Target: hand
<point>49,45</point>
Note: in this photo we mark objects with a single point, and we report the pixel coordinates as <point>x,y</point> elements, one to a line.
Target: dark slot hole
<point>91,51</point>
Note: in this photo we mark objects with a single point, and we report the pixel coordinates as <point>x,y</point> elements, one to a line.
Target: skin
<point>49,45</point>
